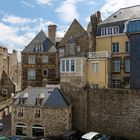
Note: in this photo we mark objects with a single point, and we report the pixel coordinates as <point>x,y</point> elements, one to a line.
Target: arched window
<point>37,130</point>
<point>21,129</point>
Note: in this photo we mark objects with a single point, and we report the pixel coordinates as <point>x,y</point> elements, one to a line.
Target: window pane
<point>116,66</point>
<point>95,67</point>
<point>45,59</point>
<point>127,65</point>
<point>72,65</point>
<point>67,65</point>
<point>31,74</point>
<point>63,65</point>
<point>31,59</point>
<point>115,47</point>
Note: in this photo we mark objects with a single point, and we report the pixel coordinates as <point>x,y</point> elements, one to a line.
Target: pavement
<point>6,131</point>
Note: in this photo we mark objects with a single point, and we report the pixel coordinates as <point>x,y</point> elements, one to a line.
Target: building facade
<point>39,62</point>
<point>10,71</point>
<point>73,55</point>
<point>40,112</point>
<point>112,37</point>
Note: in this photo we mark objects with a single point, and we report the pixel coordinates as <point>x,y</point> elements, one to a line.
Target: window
<point>116,83</point>
<point>127,65</point>
<point>4,92</point>
<point>38,101</point>
<point>61,52</point>
<point>37,131</point>
<point>31,59</point>
<point>31,74</point>
<point>39,48</point>
<point>115,47</point>
<point>20,112</point>
<point>116,66</point>
<point>21,100</point>
<point>72,65</point>
<point>37,113</point>
<point>67,65</point>
<point>63,65</point>
<point>78,48</point>
<point>95,67</point>
<point>116,29</point>
<point>45,59</point>
<point>103,31</point>
<point>45,72</point>
<point>127,46</point>
<point>110,30</point>
<point>21,129</point>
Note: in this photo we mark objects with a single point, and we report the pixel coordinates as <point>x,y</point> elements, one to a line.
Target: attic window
<point>115,16</point>
<point>39,48</point>
<point>38,101</point>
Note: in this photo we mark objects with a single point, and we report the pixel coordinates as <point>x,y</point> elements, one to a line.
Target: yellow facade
<point>104,74</point>
<point>101,76</point>
<point>104,43</point>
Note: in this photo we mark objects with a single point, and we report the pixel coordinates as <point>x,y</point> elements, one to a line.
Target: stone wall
<point>110,111</point>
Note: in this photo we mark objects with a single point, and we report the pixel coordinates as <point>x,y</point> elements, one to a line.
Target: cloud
<point>112,6</point>
<point>17,32</point>
<point>16,20</point>
<point>27,4</point>
<point>67,11</point>
<point>44,2</point>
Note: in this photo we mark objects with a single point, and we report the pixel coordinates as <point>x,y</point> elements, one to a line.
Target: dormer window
<point>21,100</point>
<point>39,48</point>
<point>38,101</point>
<point>110,30</point>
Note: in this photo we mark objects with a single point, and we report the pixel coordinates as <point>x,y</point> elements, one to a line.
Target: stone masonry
<point>110,111</point>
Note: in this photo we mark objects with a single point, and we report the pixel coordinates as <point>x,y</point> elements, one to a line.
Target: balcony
<point>99,54</point>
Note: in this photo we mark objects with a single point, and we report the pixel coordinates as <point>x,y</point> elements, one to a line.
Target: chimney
<point>52,33</point>
<point>98,16</point>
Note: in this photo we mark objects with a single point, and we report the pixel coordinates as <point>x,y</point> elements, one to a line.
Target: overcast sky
<point>21,20</point>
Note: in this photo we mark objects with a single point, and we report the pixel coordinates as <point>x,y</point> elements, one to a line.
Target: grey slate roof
<point>124,14</point>
<point>40,38</point>
<point>54,99</point>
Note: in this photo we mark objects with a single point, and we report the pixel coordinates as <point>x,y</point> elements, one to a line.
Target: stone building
<point>39,61</point>
<point>39,112</point>
<point>10,71</point>
<point>72,53</point>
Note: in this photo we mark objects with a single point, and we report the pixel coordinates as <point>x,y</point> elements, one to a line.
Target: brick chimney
<point>52,33</point>
<point>98,16</point>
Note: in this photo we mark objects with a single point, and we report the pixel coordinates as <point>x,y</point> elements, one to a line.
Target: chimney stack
<point>52,33</point>
<point>98,16</point>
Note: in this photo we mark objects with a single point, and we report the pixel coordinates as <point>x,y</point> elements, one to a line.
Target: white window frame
<point>31,74</point>
<point>31,59</point>
<point>95,67</point>
<point>110,30</point>
<point>67,69</point>
<point>45,59</point>
<point>115,47</point>
<point>116,64</point>
<point>127,65</point>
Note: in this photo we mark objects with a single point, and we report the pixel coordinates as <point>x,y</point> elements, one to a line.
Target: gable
<point>75,30</point>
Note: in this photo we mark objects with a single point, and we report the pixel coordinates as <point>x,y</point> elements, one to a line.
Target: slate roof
<point>40,38</point>
<point>51,99</point>
<point>123,14</point>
